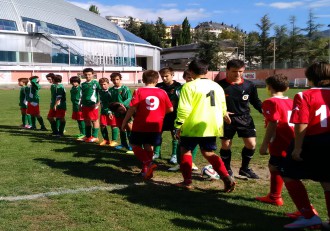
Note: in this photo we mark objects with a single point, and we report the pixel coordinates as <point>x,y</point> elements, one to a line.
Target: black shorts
<point>276,161</point>
<point>315,164</point>
<point>168,124</point>
<point>243,125</point>
<point>140,138</point>
<point>205,143</point>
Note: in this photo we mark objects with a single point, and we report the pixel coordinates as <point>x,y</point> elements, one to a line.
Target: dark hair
<point>150,76</point>
<point>185,73</point>
<point>319,73</point>
<point>75,79</point>
<point>23,80</point>
<point>88,69</point>
<point>57,79</point>
<point>51,75</point>
<point>33,77</point>
<point>235,63</point>
<point>166,70</point>
<point>103,80</point>
<point>278,82</point>
<point>198,66</point>
<point>115,74</point>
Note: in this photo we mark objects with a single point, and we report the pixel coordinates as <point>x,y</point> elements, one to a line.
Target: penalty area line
<point>62,192</point>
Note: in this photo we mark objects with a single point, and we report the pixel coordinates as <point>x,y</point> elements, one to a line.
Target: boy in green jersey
<point>33,103</point>
<point>58,107</point>
<point>26,118</point>
<point>170,86</point>
<point>75,93</point>
<point>90,105</point>
<point>106,116</point>
<point>122,94</point>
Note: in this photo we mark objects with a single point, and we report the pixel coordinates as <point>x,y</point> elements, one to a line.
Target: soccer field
<point>61,184</point>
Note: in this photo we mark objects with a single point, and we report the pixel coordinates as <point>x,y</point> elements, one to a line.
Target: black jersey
<point>238,96</point>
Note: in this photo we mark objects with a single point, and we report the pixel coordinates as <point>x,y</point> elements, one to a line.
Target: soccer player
<point>149,105</point>
<point>278,135</point>
<point>122,94</point>
<point>26,118</point>
<point>50,79</point>
<point>90,105</point>
<point>170,86</point>
<point>187,77</point>
<point>199,121</point>
<point>106,116</point>
<point>308,157</point>
<point>33,103</point>
<point>58,107</point>
<point>239,94</point>
<point>75,93</point>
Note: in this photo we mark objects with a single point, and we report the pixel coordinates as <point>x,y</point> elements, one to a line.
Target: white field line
<point>62,192</point>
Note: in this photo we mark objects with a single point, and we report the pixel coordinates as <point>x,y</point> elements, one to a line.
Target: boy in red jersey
<point>308,156</point>
<point>278,135</point>
<point>150,104</point>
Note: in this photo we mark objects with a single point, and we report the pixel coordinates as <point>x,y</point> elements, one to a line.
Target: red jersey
<point>151,105</point>
<point>279,109</point>
<point>312,107</point>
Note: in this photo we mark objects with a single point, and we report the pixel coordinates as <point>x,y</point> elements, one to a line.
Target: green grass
<point>32,162</point>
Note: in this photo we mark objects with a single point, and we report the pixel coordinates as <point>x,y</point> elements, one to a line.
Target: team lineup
<point>197,113</point>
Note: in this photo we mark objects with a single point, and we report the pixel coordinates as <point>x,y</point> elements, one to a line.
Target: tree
<point>148,33</point>
<point>133,27</point>
<point>94,9</point>
<point>312,28</point>
<point>160,29</point>
<point>281,38</point>
<point>185,35</point>
<point>264,40</point>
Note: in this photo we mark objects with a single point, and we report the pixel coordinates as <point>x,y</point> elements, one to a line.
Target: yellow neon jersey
<point>202,106</point>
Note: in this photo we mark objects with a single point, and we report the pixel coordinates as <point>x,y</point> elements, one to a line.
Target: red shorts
<point>105,120</point>
<point>90,113</point>
<point>59,113</point>
<point>24,111</point>
<point>77,115</point>
<point>33,109</point>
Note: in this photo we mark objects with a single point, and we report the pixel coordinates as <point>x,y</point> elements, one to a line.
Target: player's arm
<point>127,97</point>
<point>128,115</point>
<point>269,134</point>
<point>299,131</point>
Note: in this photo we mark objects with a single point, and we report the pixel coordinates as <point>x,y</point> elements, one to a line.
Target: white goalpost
<point>300,82</point>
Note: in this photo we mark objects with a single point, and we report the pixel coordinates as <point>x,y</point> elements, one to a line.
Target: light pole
<point>244,48</point>
<point>329,42</point>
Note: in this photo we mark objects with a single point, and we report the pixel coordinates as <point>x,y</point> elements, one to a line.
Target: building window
<point>7,25</point>
<point>51,28</point>
<point>92,31</point>
<point>8,56</point>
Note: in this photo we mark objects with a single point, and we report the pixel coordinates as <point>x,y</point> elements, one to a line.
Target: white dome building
<point>54,33</point>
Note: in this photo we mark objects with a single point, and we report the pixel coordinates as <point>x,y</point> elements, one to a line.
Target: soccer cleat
<point>230,172</point>
<point>314,222</point>
<point>184,185</point>
<point>27,126</point>
<point>92,140</point>
<point>113,143</point>
<point>326,225</point>
<point>43,128</point>
<point>249,173</point>
<point>194,167</point>
<point>274,201</point>
<point>156,156</point>
<point>129,152</point>
<point>84,138</point>
<point>150,171</point>
<point>175,168</point>
<point>229,184</point>
<point>104,142</point>
<point>297,214</point>
<point>173,159</point>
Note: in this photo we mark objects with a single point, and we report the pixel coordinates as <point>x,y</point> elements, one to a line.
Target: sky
<point>244,14</point>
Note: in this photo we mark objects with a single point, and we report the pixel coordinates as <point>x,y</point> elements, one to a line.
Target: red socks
<point>185,167</point>
<point>276,184</point>
<point>218,165</point>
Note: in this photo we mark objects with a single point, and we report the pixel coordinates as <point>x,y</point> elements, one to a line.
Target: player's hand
<point>263,150</point>
<point>177,133</point>
<point>123,126</point>
<point>226,118</point>
<point>111,116</point>
<point>296,154</point>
